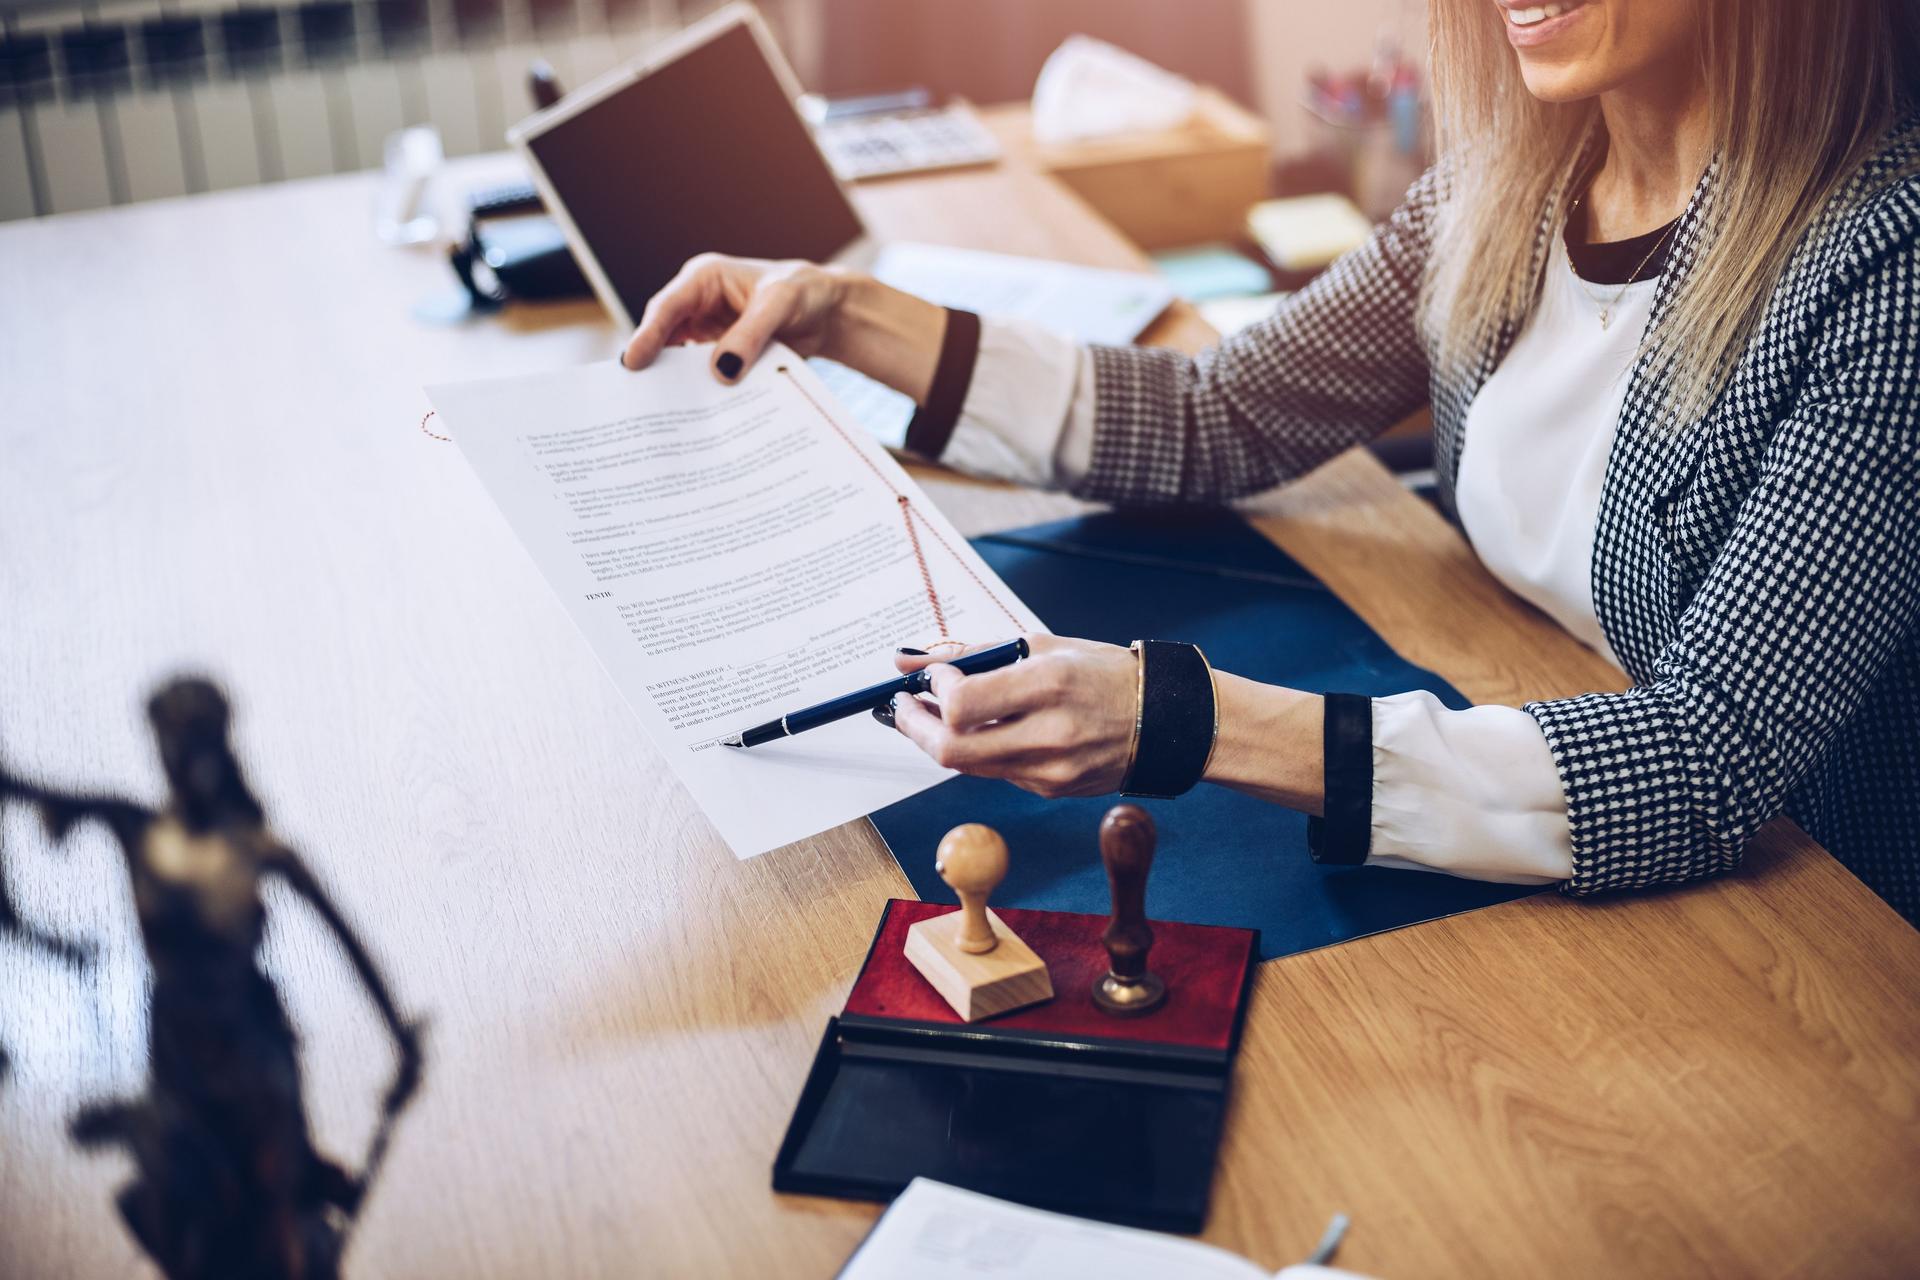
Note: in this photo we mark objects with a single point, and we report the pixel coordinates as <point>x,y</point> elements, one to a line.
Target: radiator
<point>114,103</point>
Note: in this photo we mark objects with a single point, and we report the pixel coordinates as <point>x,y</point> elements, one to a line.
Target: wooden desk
<point>211,460</point>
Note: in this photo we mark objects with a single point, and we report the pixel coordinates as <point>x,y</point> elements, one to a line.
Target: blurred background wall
<point>111,101</point>
<point>1288,39</point>
<point>991,50</point>
<point>1259,52</point>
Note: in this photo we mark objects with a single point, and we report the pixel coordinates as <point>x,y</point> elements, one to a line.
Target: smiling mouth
<point>1540,13</point>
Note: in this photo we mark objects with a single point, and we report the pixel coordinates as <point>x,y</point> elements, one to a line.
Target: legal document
<point>733,553</point>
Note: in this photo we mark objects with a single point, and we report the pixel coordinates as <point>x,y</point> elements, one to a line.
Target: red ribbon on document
<point>907,517</point>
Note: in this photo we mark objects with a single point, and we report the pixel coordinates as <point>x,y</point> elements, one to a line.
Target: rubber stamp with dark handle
<point>1126,847</point>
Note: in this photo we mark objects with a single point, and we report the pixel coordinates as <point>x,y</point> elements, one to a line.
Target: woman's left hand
<point>1058,723</point>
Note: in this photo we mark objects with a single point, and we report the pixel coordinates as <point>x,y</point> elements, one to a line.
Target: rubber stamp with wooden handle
<point>1126,846</point>
<point>977,964</point>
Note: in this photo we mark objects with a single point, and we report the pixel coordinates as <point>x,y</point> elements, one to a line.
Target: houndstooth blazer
<point>1757,571</point>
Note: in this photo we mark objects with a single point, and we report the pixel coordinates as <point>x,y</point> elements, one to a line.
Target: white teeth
<point>1539,13</point>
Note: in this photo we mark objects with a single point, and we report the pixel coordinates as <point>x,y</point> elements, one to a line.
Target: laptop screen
<point>703,154</point>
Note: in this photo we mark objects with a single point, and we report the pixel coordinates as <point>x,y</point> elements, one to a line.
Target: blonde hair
<point>1799,93</point>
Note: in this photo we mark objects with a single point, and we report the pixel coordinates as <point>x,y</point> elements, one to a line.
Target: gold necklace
<point>1606,308</point>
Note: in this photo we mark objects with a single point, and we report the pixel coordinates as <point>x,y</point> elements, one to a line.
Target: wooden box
<point>1178,187</point>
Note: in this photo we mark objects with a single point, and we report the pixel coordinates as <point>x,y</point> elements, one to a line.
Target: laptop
<point>698,146</point>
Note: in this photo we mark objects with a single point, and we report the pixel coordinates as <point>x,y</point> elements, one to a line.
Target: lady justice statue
<point>228,1181</point>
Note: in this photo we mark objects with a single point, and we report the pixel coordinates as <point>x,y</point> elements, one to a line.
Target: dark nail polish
<point>729,365</point>
<point>621,359</point>
<point>884,714</point>
<point>911,653</point>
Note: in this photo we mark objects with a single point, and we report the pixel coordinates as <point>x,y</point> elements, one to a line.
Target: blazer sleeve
<point>1813,594</point>
<point>1338,363</point>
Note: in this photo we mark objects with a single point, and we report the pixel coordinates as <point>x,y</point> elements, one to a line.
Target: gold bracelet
<point>1213,678</point>
<point>1139,708</point>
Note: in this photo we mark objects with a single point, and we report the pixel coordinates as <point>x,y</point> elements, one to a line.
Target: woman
<point>1663,296</point>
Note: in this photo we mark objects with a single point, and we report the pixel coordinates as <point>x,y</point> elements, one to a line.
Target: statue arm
<point>406,1033</point>
<point>12,925</point>
<point>60,812</point>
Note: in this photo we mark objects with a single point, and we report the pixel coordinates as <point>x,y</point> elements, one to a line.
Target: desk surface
<point>212,461</point>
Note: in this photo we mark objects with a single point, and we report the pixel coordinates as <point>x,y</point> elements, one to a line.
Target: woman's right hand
<point>740,305</point>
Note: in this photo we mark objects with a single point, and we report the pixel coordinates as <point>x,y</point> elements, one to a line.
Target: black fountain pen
<point>874,695</point>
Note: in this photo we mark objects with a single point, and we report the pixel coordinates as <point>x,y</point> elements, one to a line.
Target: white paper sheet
<point>937,1232</point>
<point>731,557</point>
<point>1087,304</point>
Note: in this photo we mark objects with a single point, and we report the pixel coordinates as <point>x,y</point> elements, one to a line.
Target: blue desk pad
<point>1223,858</point>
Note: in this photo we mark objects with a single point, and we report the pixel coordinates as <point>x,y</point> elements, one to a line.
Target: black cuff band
<point>1343,836</point>
<point>933,422</point>
<point>1177,719</point>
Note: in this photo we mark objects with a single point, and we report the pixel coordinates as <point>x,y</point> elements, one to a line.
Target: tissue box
<point>1175,187</point>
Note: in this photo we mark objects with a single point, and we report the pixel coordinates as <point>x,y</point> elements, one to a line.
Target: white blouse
<point>1473,793</point>
<point>1534,451</point>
